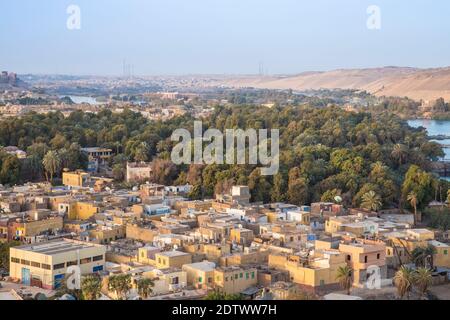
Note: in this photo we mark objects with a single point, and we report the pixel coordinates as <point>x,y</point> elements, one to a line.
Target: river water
<point>435,128</point>
<point>83,99</point>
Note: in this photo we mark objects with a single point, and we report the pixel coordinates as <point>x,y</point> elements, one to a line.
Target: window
<point>25,262</point>
<point>365,259</point>
<point>200,279</point>
<point>378,256</point>
<point>72,263</point>
<point>35,264</point>
<point>97,258</point>
<point>226,278</point>
<point>209,280</point>
<point>46,266</point>
<point>247,275</point>
<point>175,280</point>
<point>59,266</point>
<point>15,260</point>
<point>349,257</point>
<point>236,276</point>
<point>241,275</point>
<point>445,251</point>
<point>85,260</point>
<point>253,275</point>
<point>322,282</point>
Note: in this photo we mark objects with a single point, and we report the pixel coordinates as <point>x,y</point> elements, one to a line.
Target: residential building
<point>45,264</point>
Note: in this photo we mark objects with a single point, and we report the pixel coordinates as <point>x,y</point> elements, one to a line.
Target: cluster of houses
<point>189,248</point>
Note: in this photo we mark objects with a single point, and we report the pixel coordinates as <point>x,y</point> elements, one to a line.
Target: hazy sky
<point>220,36</point>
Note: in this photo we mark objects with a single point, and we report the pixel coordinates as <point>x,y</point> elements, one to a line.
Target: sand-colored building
<point>362,255</point>
<point>45,264</point>
<point>200,274</point>
<point>76,179</point>
<point>234,280</point>
<point>172,259</point>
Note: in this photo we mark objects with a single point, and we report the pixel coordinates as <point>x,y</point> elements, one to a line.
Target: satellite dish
<point>338,199</point>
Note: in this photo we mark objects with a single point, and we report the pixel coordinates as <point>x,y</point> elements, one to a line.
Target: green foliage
<point>216,295</point>
<point>422,279</point>
<point>321,149</point>
<point>371,201</point>
<point>403,281</point>
<point>419,183</point>
<point>345,277</point>
<point>423,257</point>
<point>4,253</point>
<point>438,218</point>
<point>144,286</point>
<point>120,284</point>
<point>91,286</point>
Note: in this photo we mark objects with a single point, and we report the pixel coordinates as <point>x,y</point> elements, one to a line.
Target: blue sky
<point>220,36</point>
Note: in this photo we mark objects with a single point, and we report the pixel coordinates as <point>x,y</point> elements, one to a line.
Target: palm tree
<point>144,286</point>
<point>424,257</point>
<point>91,286</point>
<point>399,153</point>
<point>422,279</point>
<point>142,152</point>
<point>371,201</point>
<point>345,277</point>
<point>403,280</point>
<point>52,164</point>
<point>412,198</point>
<point>120,285</point>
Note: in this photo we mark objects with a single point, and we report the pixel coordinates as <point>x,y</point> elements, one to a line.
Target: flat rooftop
<point>56,247</point>
<point>203,266</point>
<point>172,253</point>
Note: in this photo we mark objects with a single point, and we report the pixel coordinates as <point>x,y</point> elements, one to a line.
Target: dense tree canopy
<point>324,151</point>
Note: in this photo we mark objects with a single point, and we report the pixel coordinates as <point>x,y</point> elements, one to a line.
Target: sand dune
<point>425,84</point>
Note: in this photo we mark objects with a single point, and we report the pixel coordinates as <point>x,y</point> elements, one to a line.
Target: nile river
<point>435,128</point>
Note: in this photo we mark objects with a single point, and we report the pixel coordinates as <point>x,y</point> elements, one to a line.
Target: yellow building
<point>141,233</point>
<point>76,179</point>
<point>82,210</point>
<point>213,251</point>
<point>105,235</point>
<point>362,254</point>
<point>241,236</point>
<point>316,273</point>
<point>45,264</point>
<point>146,255</point>
<point>245,258</point>
<point>234,280</point>
<point>442,257</point>
<point>167,280</point>
<point>200,274</point>
<point>172,259</point>
<point>32,228</point>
